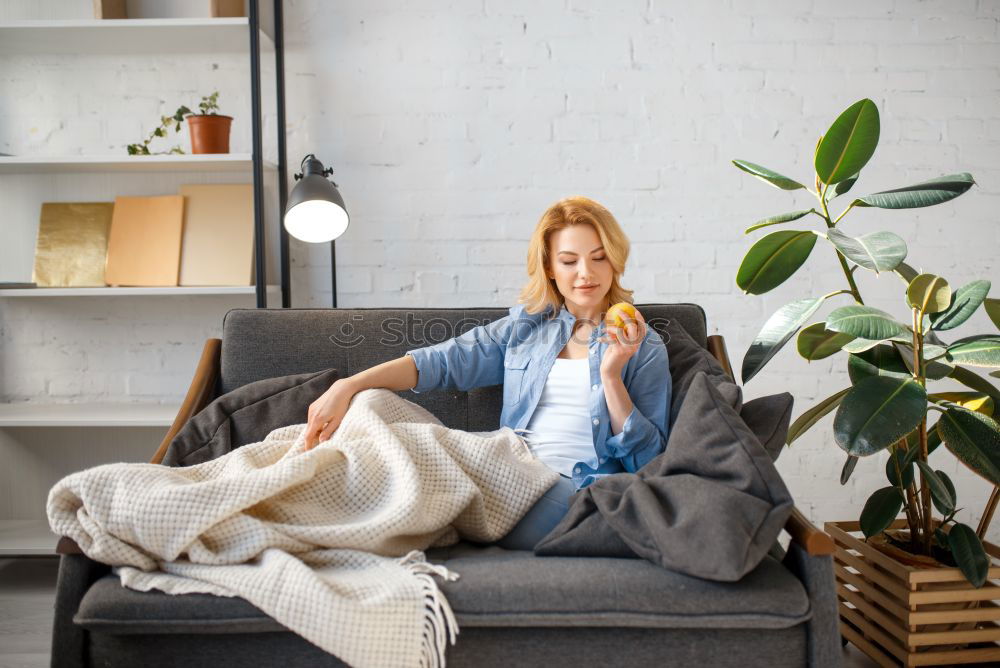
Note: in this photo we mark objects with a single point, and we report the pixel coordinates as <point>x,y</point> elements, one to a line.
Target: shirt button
<point>576,470</point>
<point>593,387</point>
<point>596,421</point>
<point>601,460</point>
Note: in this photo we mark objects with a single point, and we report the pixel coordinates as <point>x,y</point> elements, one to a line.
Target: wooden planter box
<point>900,615</point>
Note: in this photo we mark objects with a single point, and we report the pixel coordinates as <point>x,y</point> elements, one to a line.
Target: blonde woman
<point>589,400</point>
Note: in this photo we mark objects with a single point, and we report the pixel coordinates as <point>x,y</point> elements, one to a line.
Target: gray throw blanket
<point>711,505</point>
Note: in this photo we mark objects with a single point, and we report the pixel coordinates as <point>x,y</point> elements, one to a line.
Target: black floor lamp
<point>315,212</point>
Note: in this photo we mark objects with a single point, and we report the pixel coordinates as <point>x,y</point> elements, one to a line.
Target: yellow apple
<point>614,316</point>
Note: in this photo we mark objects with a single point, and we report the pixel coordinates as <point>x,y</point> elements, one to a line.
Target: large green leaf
<point>943,498</point>
<point>866,322</point>
<point>926,193</point>
<point>906,272</point>
<point>992,307</point>
<point>974,439</point>
<point>775,333</point>
<point>816,342</point>
<point>976,382</point>
<point>773,259</point>
<point>849,143</point>
<point>878,251</point>
<point>861,345</point>
<point>933,439</point>
<point>928,293</point>
<point>848,469</point>
<point>979,350</point>
<point>780,218</point>
<point>844,186</point>
<point>964,303</point>
<point>974,401</point>
<point>968,552</point>
<point>933,370</point>
<point>882,360</point>
<point>768,176</point>
<point>877,412</point>
<point>813,415</point>
<point>880,510</point>
<point>949,484</point>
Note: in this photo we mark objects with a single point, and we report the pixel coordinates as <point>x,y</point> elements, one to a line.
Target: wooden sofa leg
<point>199,394</point>
<point>813,540</point>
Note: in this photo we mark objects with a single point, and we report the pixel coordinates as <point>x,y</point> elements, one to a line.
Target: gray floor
<point>27,593</point>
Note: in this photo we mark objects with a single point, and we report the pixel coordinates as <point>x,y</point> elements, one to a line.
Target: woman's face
<point>577,260</point>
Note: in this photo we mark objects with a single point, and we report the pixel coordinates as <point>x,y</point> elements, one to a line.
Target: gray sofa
<point>512,607</point>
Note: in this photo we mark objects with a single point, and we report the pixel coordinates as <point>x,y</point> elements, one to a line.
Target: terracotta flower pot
<point>209,133</point>
<point>911,610</point>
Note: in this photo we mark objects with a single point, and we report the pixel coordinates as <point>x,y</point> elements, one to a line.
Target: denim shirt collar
<point>566,317</point>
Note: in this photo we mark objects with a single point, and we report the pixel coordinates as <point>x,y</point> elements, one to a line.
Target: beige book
<point>218,234</point>
<point>144,247</point>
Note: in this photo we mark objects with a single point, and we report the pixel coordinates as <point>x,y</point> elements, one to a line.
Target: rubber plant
<point>890,361</point>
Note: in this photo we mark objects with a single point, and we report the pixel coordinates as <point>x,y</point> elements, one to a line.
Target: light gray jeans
<point>541,518</point>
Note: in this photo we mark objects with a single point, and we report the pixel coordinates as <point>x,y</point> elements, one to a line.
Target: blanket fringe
<point>439,618</point>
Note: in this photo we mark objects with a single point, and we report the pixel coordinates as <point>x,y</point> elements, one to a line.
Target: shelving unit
<point>87,415</point>
<point>172,35</point>
<point>36,448</point>
<point>109,36</point>
<point>136,292</point>
<point>230,162</point>
<point>26,538</point>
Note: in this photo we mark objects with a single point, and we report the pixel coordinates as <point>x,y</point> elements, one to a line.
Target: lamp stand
<point>333,270</point>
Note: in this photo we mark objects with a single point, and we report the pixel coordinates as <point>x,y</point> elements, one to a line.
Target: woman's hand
<point>326,413</point>
<point>623,342</point>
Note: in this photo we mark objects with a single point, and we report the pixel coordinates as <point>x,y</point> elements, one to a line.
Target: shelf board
<point>27,538</point>
<point>129,36</point>
<point>136,292</point>
<point>215,162</point>
<point>30,414</point>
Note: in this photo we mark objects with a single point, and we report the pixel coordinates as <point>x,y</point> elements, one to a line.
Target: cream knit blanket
<point>327,541</point>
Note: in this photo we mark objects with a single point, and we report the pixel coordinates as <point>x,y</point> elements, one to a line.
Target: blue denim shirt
<point>519,349</point>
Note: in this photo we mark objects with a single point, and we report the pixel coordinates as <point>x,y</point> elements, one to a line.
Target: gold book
<point>72,244</point>
<point>144,246</point>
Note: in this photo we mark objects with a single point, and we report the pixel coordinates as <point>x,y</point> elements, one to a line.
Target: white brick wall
<point>452,125</point>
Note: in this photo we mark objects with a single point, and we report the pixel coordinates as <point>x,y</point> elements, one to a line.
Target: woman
<point>590,399</point>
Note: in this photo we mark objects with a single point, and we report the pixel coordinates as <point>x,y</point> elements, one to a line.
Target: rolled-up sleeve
<point>470,360</point>
<point>645,431</point>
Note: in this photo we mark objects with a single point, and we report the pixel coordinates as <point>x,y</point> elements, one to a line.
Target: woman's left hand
<point>622,342</point>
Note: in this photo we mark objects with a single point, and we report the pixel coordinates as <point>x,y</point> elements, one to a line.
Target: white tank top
<point>559,432</point>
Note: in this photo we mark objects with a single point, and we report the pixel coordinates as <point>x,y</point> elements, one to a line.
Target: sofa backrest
<point>267,343</point>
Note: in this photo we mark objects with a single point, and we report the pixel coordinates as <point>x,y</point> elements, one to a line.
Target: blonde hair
<point>541,293</point>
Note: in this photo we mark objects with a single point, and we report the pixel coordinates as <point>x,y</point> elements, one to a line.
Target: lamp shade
<point>315,212</point>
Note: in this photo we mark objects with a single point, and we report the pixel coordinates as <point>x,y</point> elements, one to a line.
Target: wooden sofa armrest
<point>67,545</point>
<point>717,346</point>
<point>813,540</point>
<point>809,537</point>
<point>199,394</point>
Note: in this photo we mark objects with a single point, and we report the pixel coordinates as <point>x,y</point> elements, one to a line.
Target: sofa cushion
<point>711,505</point>
<point>687,358</point>
<point>246,415</point>
<point>499,587</point>
<point>768,418</point>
